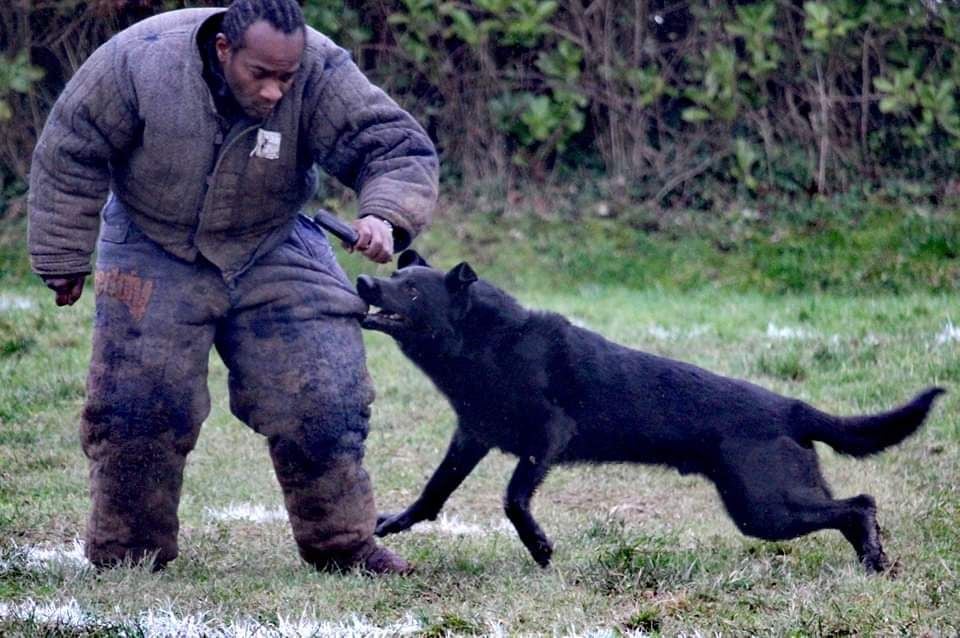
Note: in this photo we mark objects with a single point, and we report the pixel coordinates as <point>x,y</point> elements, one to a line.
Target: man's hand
<point>68,287</point>
<point>375,240</point>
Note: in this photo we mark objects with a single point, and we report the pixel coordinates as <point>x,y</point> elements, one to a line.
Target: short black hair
<point>283,15</point>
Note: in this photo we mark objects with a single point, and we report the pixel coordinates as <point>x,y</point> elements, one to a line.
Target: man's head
<point>260,47</point>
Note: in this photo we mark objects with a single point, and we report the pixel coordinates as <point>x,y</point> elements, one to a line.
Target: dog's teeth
<point>383,314</point>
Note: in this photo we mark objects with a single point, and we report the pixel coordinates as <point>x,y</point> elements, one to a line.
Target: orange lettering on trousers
<point>129,289</point>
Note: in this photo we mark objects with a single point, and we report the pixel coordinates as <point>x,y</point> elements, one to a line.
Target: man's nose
<point>271,92</point>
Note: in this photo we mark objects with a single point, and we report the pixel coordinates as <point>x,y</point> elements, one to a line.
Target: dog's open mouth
<point>382,319</point>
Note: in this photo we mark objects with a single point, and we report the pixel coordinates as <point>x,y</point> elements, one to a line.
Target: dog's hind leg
<point>855,517</point>
<point>863,532</point>
<point>775,491</point>
<point>462,456</point>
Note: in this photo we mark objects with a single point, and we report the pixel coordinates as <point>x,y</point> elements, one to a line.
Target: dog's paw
<point>878,563</point>
<point>894,569</point>
<point>542,552</point>
<point>392,523</point>
<point>873,559</point>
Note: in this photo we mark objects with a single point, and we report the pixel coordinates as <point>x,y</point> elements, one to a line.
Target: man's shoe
<point>383,561</point>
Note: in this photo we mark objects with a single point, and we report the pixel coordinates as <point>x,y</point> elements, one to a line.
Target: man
<point>204,126</point>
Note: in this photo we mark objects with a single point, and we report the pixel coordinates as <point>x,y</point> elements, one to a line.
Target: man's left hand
<point>375,239</point>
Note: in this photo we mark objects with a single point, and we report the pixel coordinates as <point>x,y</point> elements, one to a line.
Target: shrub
<point>691,103</point>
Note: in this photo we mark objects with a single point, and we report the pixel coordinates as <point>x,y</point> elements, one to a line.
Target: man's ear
<point>222,45</point>
<point>410,258</point>
<point>459,277</point>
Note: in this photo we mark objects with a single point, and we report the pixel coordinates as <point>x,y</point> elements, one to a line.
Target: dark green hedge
<point>687,102</point>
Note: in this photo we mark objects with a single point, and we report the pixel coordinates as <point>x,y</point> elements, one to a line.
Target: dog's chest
<point>501,414</point>
<point>500,396</point>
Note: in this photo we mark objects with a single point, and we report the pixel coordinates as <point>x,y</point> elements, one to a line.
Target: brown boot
<point>370,559</point>
<point>384,562</point>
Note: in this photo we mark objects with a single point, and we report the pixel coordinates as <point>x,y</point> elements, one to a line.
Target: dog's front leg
<point>462,456</point>
<point>557,430</point>
<point>526,479</point>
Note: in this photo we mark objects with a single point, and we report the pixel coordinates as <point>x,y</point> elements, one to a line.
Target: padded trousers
<point>286,327</point>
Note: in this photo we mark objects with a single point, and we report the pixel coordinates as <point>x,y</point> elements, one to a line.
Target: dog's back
<point>629,405</point>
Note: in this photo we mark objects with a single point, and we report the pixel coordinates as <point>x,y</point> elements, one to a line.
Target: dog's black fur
<point>532,384</point>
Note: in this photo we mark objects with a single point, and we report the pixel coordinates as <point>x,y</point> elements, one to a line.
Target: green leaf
<point>20,83</point>
<point>695,115</point>
<point>883,84</point>
<point>463,26</point>
<point>546,9</point>
<point>891,104</point>
<point>817,12</point>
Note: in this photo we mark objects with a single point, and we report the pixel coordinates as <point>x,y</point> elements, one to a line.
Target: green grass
<point>638,549</point>
<point>832,246</point>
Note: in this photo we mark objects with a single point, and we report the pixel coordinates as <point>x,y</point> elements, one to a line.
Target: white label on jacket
<point>268,145</point>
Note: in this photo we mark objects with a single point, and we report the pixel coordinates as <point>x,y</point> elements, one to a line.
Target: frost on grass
<point>355,626</point>
<point>454,526</point>
<point>252,512</point>
<point>787,333</point>
<point>655,331</point>
<point>163,622</point>
<point>48,613</point>
<point>447,525</point>
<point>949,334</point>
<point>13,302</point>
<point>166,623</point>
<point>43,557</point>
<point>664,333</point>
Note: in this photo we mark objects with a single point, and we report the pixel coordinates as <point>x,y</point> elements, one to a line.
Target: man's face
<point>261,71</point>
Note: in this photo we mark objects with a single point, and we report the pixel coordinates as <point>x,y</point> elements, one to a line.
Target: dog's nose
<point>366,287</point>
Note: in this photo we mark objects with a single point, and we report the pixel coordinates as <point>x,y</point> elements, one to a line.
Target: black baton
<point>337,227</point>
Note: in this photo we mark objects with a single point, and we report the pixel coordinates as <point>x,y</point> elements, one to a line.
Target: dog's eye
<point>411,290</point>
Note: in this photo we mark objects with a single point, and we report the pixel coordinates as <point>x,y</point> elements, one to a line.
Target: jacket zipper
<point>223,151</point>
<point>208,181</point>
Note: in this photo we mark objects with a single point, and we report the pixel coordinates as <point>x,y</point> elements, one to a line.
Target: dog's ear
<point>459,277</point>
<point>410,258</point>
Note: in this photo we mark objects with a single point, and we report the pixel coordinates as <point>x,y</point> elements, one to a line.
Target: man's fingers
<point>76,291</point>
<point>374,240</point>
<point>68,289</point>
<point>379,253</point>
<point>67,297</point>
<point>378,249</point>
<point>386,254</point>
<point>382,243</point>
<point>364,236</point>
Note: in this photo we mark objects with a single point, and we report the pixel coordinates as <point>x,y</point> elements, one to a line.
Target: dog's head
<point>417,302</point>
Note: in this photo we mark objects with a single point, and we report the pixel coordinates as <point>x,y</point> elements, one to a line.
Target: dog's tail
<point>865,435</point>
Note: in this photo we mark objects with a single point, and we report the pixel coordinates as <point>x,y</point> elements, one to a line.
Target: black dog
<point>532,384</point>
